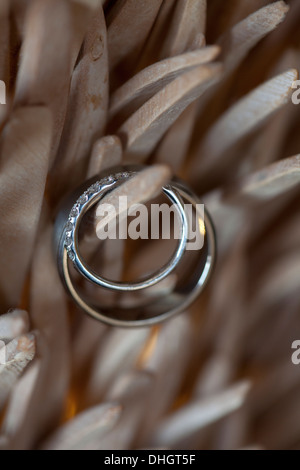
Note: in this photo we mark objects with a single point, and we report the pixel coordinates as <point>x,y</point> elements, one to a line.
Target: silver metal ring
<point>92,192</point>
<point>156,309</point>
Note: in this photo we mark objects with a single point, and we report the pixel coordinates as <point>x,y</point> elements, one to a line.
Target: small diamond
<point>74,211</point>
<point>69,226</point>
<point>71,255</point>
<point>108,180</point>
<point>94,188</point>
<point>83,198</point>
<point>68,241</point>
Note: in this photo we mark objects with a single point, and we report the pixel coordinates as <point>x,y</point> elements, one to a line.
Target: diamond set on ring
<point>79,205</point>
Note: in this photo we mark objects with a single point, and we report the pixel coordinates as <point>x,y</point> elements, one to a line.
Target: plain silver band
<point>159,309</point>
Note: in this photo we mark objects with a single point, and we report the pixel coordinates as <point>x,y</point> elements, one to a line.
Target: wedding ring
<point>155,309</point>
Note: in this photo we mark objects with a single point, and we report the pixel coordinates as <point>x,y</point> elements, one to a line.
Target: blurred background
<point>198,89</point>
